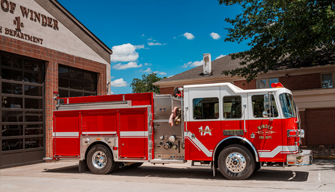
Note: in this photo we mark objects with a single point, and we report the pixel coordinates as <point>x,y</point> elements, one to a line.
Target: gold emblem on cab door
<point>265,134</point>
<point>269,127</point>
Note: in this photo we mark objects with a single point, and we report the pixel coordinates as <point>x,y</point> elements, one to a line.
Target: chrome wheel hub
<point>236,162</point>
<point>99,159</point>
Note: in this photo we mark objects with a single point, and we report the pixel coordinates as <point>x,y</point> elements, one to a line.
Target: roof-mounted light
<point>277,85</point>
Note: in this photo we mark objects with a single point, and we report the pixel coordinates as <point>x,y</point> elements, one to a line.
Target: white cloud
<point>143,35</point>
<point>215,36</point>
<point>174,37</point>
<point>220,57</point>
<point>147,70</point>
<point>193,64</point>
<point>119,83</point>
<point>139,46</point>
<point>112,92</point>
<point>153,44</point>
<point>160,72</point>
<point>125,53</point>
<point>149,39</point>
<point>120,66</point>
<point>189,36</point>
<point>112,77</point>
<point>147,64</point>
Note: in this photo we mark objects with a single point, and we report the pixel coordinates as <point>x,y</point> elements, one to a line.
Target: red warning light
<point>277,85</point>
<point>55,92</point>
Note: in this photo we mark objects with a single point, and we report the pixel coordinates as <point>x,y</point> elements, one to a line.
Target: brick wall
<point>244,85</point>
<point>52,60</point>
<point>320,126</point>
<point>302,115</point>
<point>301,82</point>
<point>166,90</point>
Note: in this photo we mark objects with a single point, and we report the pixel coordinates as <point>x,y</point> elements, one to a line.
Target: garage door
<point>22,110</point>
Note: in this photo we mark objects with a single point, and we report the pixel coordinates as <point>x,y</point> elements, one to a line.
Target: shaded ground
<point>64,176</point>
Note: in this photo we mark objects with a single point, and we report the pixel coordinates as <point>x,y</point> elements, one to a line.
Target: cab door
<point>233,115</point>
<point>265,132</point>
<point>203,129</point>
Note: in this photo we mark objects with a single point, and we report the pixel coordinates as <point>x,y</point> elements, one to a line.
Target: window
<point>327,80</point>
<point>265,83</point>
<point>288,105</point>
<point>206,108</point>
<point>232,107</point>
<point>75,82</point>
<point>258,106</point>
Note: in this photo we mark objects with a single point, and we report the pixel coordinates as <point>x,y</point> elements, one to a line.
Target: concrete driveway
<point>64,176</point>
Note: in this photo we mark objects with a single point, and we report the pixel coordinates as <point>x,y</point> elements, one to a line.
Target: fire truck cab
<point>234,130</point>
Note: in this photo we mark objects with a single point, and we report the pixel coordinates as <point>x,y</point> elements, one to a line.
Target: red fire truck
<point>232,129</point>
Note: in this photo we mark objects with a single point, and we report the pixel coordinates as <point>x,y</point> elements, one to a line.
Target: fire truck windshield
<point>288,105</point>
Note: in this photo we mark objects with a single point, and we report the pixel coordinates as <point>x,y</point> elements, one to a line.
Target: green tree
<point>146,83</point>
<point>281,34</point>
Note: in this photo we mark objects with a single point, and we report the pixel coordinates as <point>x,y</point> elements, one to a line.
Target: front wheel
<point>258,166</point>
<point>236,162</point>
<point>100,160</point>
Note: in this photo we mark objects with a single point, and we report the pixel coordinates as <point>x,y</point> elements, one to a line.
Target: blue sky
<point>166,37</point>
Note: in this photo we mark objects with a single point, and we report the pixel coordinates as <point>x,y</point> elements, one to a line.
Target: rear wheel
<point>117,166</point>
<point>100,160</point>
<point>236,162</point>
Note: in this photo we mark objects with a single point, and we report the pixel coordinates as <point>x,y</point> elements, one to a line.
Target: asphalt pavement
<point>64,176</point>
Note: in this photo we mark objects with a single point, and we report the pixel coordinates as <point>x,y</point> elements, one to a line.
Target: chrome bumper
<point>303,158</point>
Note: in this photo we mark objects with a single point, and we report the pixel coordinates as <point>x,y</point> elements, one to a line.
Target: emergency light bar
<point>277,85</point>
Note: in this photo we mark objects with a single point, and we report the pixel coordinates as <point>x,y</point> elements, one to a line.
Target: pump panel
<point>168,140</point>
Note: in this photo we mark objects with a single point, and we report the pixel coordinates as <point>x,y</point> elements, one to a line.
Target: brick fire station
<point>43,48</point>
<point>313,91</point>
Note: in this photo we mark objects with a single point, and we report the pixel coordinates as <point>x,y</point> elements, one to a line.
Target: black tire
<point>132,166</point>
<point>234,173</point>
<point>117,166</point>
<point>94,167</point>
<point>257,166</point>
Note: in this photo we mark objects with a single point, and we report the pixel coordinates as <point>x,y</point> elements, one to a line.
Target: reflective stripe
<point>198,144</point>
<point>278,149</point>
<point>132,134</point>
<point>193,144</point>
<point>65,134</point>
<point>98,133</point>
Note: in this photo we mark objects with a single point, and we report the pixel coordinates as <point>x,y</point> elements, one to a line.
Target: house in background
<point>313,91</point>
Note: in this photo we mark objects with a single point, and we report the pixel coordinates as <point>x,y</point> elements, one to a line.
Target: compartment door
<point>133,132</point>
<point>66,131</point>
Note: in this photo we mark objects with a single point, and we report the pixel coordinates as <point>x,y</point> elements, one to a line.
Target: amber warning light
<point>277,85</point>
